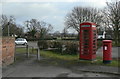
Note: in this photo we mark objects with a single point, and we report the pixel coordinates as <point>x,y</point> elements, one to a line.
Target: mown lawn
<point>73,59</point>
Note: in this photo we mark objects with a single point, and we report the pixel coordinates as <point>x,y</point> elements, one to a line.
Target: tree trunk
<point>78,36</point>
<point>116,34</point>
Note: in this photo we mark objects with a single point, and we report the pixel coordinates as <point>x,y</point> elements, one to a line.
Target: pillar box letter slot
<point>88,41</point>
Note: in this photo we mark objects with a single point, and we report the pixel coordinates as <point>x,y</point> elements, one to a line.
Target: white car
<point>100,37</point>
<point>21,41</point>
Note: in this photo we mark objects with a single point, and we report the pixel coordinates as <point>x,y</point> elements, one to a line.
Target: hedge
<point>62,47</point>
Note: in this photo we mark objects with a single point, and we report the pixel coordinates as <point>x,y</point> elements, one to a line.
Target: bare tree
<point>80,14</point>
<point>9,27</point>
<point>45,29</point>
<point>112,21</point>
<point>31,26</point>
<point>34,26</point>
<point>65,32</point>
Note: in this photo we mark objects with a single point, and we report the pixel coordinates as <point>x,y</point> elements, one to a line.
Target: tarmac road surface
<point>115,51</point>
<point>31,68</point>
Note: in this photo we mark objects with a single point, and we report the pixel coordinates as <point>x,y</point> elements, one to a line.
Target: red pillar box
<point>107,51</point>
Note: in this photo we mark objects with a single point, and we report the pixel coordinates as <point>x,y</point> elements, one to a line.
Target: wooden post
<point>27,51</point>
<point>15,53</point>
<point>32,49</point>
<point>38,54</point>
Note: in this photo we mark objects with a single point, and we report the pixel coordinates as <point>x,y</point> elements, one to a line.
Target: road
<point>33,44</point>
<point>115,51</point>
<point>32,68</point>
<point>25,67</point>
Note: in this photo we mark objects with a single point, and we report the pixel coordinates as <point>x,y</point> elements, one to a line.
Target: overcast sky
<point>50,11</point>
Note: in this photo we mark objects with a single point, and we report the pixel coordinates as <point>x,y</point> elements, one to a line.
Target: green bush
<point>62,47</point>
<point>71,48</point>
<point>66,47</point>
<point>58,46</point>
<point>43,44</point>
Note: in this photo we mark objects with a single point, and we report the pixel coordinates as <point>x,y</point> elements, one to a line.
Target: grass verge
<point>72,59</point>
<point>75,59</point>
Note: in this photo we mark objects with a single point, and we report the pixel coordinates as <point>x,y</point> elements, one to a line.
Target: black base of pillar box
<point>106,61</point>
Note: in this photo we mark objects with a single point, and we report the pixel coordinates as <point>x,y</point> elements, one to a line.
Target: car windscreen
<point>19,39</point>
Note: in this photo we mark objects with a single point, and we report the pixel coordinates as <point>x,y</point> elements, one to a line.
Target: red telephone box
<point>88,41</point>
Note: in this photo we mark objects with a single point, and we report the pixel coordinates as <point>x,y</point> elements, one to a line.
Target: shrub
<point>66,47</point>
<point>50,43</point>
<point>58,45</point>
<point>62,47</point>
<point>43,44</point>
<point>71,48</point>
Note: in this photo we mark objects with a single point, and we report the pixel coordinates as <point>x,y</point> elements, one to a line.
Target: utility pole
<point>8,28</point>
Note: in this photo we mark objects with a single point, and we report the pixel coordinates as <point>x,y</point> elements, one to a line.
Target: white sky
<point>51,11</point>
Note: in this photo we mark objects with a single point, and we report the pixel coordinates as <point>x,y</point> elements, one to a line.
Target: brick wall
<point>0,51</point>
<point>8,50</point>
